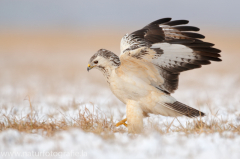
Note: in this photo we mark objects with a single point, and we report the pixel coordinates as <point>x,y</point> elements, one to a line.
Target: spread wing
<point>168,48</point>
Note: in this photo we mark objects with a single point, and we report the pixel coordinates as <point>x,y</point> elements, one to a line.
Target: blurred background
<point>45,45</point>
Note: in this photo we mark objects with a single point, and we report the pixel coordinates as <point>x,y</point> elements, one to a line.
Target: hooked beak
<point>89,67</point>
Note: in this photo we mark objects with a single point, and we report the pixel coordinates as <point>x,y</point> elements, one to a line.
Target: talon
<point>122,122</point>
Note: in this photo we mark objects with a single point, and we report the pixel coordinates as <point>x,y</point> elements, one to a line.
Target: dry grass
<point>102,126</point>
<point>85,120</point>
<point>198,126</point>
<point>32,124</point>
<point>105,126</point>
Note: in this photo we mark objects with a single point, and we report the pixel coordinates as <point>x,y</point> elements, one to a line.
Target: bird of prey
<point>148,68</point>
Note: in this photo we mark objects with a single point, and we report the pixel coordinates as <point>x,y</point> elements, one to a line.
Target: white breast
<point>127,87</point>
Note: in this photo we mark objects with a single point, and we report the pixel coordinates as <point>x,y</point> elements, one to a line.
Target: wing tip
<point>177,22</point>
<point>160,21</point>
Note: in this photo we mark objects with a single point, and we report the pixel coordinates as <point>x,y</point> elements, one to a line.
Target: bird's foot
<point>122,122</point>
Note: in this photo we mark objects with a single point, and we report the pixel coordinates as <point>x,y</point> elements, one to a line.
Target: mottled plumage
<point>147,71</point>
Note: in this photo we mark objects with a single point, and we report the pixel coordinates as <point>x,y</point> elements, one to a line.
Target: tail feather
<point>184,109</point>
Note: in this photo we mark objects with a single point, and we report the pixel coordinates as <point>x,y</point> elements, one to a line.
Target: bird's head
<point>103,60</point>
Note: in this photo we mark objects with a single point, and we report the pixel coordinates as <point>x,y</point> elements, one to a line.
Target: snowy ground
<point>78,144</point>
<point>59,87</point>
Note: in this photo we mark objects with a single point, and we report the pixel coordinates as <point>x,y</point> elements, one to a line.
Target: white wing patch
<point>124,44</point>
<point>172,48</point>
<point>172,53</point>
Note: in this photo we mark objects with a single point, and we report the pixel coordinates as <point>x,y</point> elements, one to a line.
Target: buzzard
<point>148,68</point>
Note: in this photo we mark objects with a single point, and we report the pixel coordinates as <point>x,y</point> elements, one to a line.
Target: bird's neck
<point>107,71</point>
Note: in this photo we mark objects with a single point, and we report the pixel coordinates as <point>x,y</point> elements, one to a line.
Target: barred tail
<point>184,109</point>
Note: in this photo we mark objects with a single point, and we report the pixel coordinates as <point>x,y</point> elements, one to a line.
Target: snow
<point>89,145</point>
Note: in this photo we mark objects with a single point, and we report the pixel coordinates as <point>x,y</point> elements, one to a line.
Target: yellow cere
<point>88,65</point>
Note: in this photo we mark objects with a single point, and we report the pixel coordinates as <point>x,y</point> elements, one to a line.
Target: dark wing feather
<point>193,35</point>
<point>176,22</point>
<point>159,21</point>
<point>180,49</point>
<point>186,28</point>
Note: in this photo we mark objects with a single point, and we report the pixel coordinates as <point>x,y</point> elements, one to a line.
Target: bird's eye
<point>96,62</point>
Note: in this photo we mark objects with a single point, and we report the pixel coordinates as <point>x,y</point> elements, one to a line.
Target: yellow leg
<point>122,122</point>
